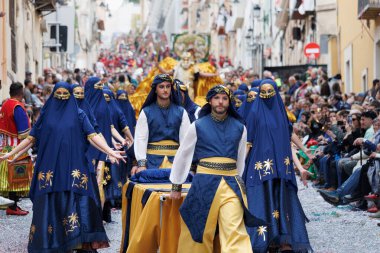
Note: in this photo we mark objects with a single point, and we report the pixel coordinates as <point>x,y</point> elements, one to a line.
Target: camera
<point>349,119</point>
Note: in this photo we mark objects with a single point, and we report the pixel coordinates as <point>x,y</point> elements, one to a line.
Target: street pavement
<point>331,229</point>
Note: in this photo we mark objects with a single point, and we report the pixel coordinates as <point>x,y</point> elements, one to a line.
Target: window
<point>365,79</point>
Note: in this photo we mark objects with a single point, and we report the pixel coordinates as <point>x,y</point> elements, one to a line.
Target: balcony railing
<point>368,9</point>
<point>45,5</point>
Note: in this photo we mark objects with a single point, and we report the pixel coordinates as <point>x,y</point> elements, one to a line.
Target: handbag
<point>20,172</point>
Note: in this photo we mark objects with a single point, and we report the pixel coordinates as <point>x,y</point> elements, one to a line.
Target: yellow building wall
<point>333,55</point>
<point>355,32</point>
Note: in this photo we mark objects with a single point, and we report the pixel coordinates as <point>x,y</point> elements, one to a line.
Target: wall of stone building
<point>326,22</point>
<point>293,49</point>
<point>86,36</point>
<point>28,44</point>
<point>3,54</point>
<point>356,47</point>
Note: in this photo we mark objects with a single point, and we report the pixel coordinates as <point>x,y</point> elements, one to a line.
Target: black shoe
<point>330,197</point>
<point>360,205</point>
<point>352,198</point>
<point>318,186</point>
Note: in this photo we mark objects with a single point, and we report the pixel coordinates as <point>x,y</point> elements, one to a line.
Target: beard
<point>219,109</point>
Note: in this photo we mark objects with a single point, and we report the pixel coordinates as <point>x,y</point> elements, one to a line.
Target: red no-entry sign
<point>312,50</point>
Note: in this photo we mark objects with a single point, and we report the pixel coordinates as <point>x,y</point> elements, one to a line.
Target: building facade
<point>359,43</point>
<point>21,47</point>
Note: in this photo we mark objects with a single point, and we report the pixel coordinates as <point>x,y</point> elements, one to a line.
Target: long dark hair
<point>152,97</point>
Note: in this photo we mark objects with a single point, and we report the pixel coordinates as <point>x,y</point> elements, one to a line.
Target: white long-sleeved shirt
<point>184,157</point>
<point>142,134</point>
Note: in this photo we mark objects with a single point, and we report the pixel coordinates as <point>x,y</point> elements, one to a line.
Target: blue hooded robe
<point>270,179</point>
<point>63,191</point>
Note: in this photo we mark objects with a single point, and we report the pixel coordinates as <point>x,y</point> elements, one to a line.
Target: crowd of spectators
<point>341,130</point>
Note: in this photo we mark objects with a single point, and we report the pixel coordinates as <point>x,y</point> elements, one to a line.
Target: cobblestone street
<point>331,229</point>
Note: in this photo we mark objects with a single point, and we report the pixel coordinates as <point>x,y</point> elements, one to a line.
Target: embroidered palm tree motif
<point>276,214</point>
<point>261,231</point>
<point>268,167</point>
<point>70,223</point>
<point>287,163</point>
<point>119,184</point>
<point>80,180</point>
<point>107,173</point>
<point>76,175</point>
<point>48,178</point>
<point>259,167</point>
<point>41,178</point>
<point>45,179</point>
<point>31,233</point>
<point>107,176</point>
<point>50,229</point>
<point>84,181</point>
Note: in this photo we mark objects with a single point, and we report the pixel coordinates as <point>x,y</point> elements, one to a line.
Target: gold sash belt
<point>217,166</point>
<point>164,147</point>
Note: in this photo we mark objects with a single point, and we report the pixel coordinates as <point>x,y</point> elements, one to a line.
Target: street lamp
<point>256,11</point>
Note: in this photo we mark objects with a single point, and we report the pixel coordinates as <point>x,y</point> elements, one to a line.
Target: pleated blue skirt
<point>277,203</point>
<point>63,221</point>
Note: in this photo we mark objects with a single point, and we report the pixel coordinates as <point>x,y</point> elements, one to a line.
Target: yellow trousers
<point>227,212</point>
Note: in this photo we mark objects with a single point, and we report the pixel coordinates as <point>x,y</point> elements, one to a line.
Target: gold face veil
<point>62,94</point>
<point>78,92</point>
<point>267,91</point>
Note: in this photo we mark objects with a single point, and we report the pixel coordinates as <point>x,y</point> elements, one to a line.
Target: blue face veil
<point>93,92</point>
<point>271,155</point>
<point>127,109</point>
<point>61,132</point>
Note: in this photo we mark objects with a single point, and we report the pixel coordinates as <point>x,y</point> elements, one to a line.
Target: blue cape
<point>85,106</point>
<point>271,132</point>
<point>243,87</point>
<point>246,106</point>
<point>238,92</point>
<point>128,110</point>
<point>256,83</point>
<point>102,114</point>
<point>118,119</point>
<point>61,138</point>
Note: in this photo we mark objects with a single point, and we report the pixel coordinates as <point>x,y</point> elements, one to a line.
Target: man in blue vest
<point>160,128</point>
<point>216,197</point>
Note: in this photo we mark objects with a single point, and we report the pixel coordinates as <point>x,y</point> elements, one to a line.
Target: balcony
<point>282,17</point>
<point>301,9</point>
<point>368,9</point>
<point>45,5</point>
